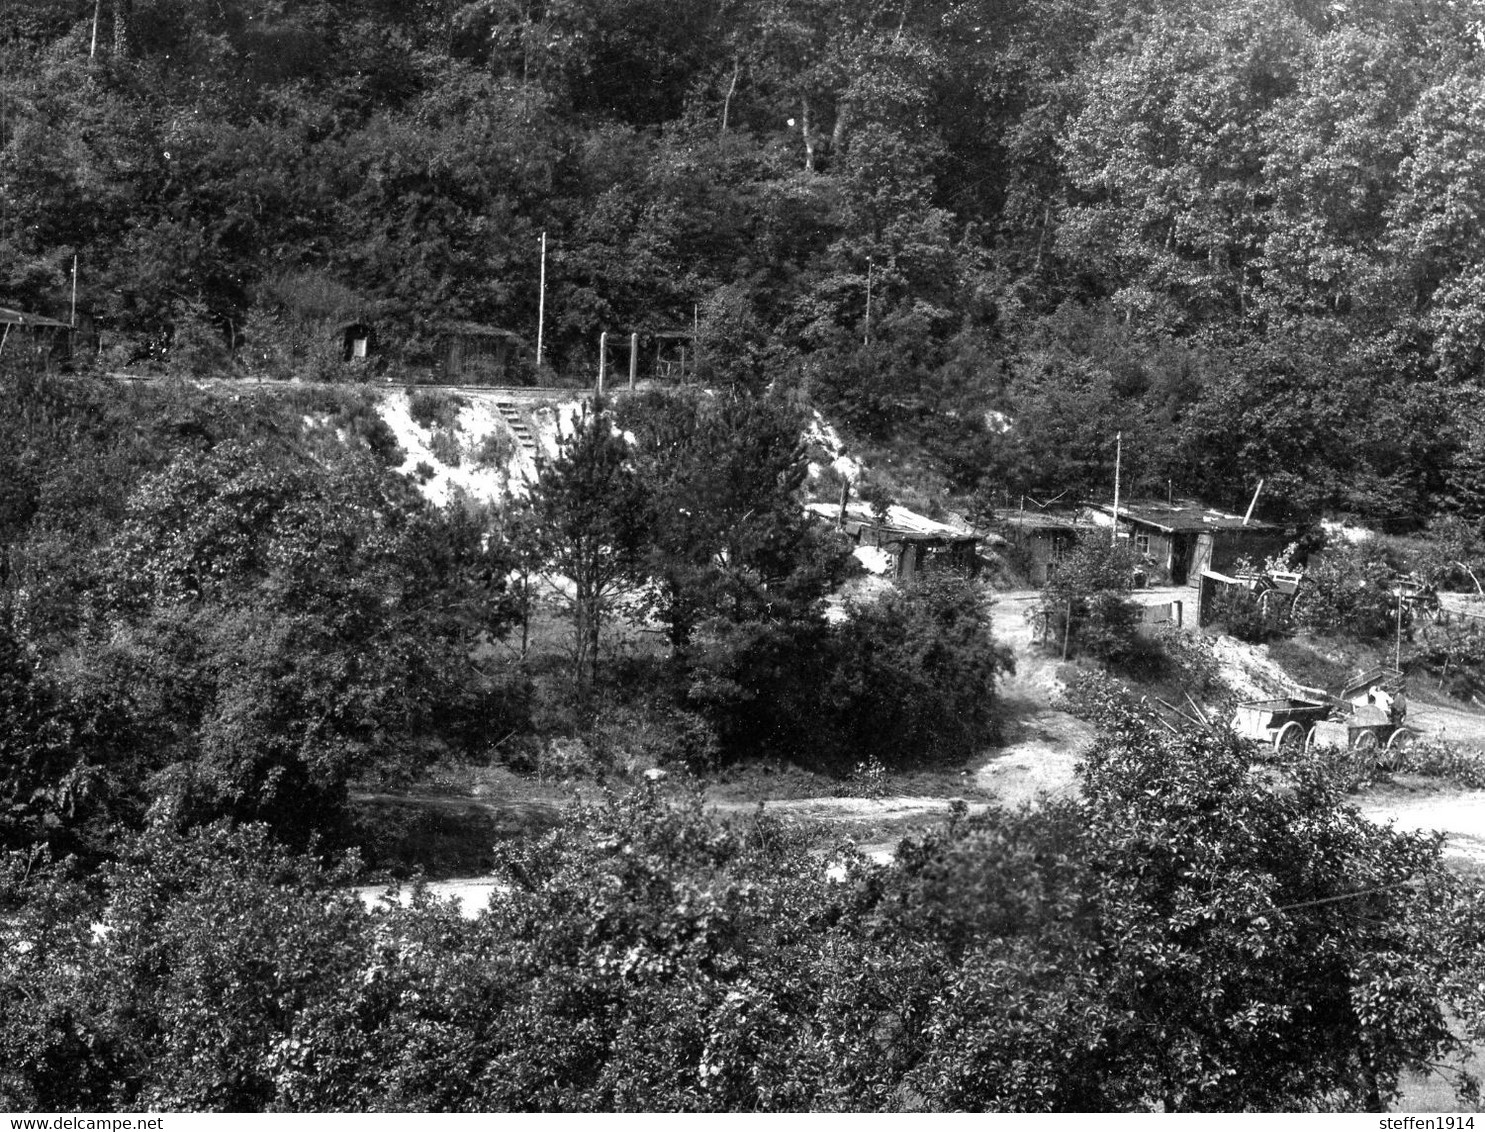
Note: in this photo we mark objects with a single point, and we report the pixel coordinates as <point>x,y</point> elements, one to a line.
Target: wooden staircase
<point>518,427</point>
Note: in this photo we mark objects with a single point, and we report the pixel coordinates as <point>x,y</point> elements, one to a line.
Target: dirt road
<point>1042,743</point>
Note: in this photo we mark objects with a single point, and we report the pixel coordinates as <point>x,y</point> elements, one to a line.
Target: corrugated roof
<point>899,520</point>
<point>1181,515</point>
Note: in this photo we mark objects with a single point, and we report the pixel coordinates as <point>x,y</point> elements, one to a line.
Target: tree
<point>587,515</point>
<point>726,532</point>
<point>1183,934</point>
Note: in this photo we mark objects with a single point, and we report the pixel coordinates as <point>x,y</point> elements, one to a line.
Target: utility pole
<point>1397,648</point>
<point>541,300</point>
<point>93,47</point>
<point>633,359</point>
<point>1118,457</point>
<point>866,333</point>
<point>602,359</point>
<point>73,320</point>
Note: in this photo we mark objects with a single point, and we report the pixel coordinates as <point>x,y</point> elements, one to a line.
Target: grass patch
<point>1322,662</point>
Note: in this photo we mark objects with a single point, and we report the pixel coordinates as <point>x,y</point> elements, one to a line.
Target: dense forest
<point>1244,233</point>
<point>984,239</point>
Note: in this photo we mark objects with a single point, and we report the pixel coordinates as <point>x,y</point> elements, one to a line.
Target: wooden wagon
<point>1285,723</point>
<point>1366,718</point>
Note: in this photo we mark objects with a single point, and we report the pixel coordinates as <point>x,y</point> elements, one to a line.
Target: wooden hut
<point>41,341</point>
<point>357,341</point>
<point>1181,538</point>
<point>912,543</point>
<point>479,355</point>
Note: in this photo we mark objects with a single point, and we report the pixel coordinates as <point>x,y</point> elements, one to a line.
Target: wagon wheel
<point>1297,605</point>
<point>1292,738</point>
<point>1270,603</point>
<point>1366,745</point>
<point>1398,745</point>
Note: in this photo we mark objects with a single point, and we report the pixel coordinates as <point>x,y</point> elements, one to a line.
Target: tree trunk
<point>838,133</point>
<point>806,131</point>
<point>731,90</point>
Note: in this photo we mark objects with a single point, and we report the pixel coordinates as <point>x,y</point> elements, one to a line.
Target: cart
<point>1367,718</point>
<point>1285,723</point>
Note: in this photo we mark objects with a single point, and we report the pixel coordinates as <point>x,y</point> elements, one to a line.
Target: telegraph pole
<point>602,359</point>
<point>1118,455</point>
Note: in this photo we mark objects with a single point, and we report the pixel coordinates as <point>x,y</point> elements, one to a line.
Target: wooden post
<point>1067,629</point>
<point>633,359</point>
<point>73,319</point>
<point>866,335</point>
<point>1118,456</point>
<point>602,359</point>
<point>1252,503</point>
<point>1397,649</point>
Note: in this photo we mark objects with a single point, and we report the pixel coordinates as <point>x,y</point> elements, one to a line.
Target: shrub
<point>1347,590</point>
<point>908,680</point>
<point>435,407</point>
<point>495,450</point>
<point>1086,601</point>
<point>444,444</point>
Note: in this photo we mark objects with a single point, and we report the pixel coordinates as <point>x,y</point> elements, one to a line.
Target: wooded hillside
<point>1244,232</point>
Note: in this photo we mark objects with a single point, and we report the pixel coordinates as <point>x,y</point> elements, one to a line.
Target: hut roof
<point>900,522</point>
<point>21,318</point>
<point>1181,515</point>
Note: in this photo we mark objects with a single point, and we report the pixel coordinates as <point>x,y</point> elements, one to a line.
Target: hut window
<point>358,347</point>
<point>1142,543</point>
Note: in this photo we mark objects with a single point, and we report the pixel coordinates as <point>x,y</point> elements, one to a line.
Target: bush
<point>1086,600</point>
<point>1348,590</point>
<point>435,407</point>
<point>906,681</point>
<point>444,444</point>
<point>495,450</point>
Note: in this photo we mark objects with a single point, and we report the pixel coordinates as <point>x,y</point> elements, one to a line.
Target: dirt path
<point>1458,814</point>
<point>1042,743</point>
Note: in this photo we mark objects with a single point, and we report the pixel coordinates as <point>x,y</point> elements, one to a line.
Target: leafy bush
<point>1244,616</point>
<point>1432,759</point>
<point>1149,943</point>
<point>444,444</point>
<point>435,407</point>
<point>1347,589</point>
<point>1086,600</point>
<point>906,681</point>
<point>495,450</point>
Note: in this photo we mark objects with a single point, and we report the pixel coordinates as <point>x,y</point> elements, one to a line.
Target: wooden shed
<point>1181,538</point>
<point>479,355</point>
<point>912,543</point>
<point>1042,538</point>
<point>357,341</point>
<point>41,341</point>
<point>675,354</point>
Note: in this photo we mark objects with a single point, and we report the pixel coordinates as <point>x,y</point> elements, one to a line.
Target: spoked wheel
<point>1292,738</point>
<point>1270,602</point>
<point>1367,753</point>
<point>1398,745</point>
